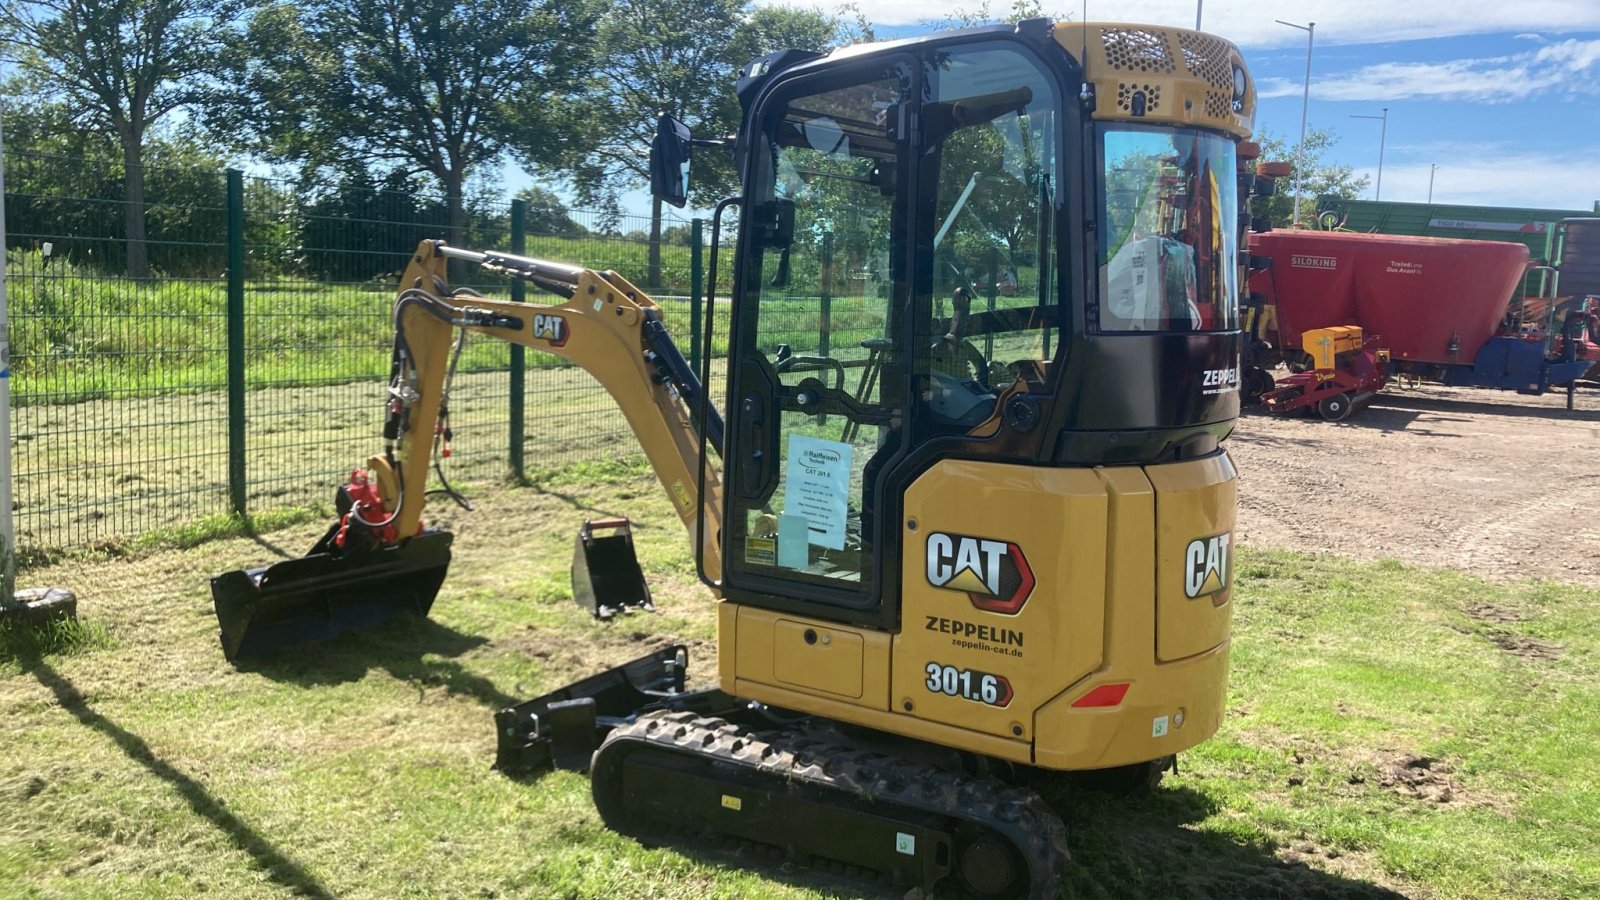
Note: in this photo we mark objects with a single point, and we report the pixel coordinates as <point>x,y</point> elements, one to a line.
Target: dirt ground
<point>1488,482</point>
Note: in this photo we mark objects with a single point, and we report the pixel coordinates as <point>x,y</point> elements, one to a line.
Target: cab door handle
<point>753,473</point>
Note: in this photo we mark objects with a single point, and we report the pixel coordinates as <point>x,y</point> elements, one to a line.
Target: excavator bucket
<point>323,594</point>
<point>606,578</point>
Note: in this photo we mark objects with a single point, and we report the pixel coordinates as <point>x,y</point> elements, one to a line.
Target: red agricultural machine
<point>1439,306</point>
<point>1347,370</point>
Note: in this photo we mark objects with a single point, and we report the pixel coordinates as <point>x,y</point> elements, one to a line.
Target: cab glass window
<point>1169,209</point>
<point>990,148</point>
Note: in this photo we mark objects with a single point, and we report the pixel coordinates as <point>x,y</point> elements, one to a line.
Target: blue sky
<point>1503,96</point>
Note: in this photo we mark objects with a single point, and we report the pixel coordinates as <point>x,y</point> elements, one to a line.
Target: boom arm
<point>607,326</point>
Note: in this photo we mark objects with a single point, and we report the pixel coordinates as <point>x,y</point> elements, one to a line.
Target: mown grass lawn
<point>1391,731</point>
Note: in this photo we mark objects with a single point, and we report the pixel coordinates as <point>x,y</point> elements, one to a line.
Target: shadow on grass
<point>1148,847</point>
<point>408,649</point>
<point>278,866</point>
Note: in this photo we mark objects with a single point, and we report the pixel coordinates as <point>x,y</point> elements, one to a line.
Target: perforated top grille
<point>1138,51</point>
<point>1208,58</point>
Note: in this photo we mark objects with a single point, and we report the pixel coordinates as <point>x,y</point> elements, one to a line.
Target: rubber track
<point>1017,814</point>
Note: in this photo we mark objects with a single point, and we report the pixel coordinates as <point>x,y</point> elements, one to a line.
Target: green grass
<point>135,762</point>
<point>26,645</point>
<point>77,335</point>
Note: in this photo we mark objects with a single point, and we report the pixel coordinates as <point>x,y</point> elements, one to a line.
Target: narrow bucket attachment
<point>606,578</point>
<point>315,597</point>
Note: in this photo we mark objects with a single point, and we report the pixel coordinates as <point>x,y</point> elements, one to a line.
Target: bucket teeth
<point>316,597</point>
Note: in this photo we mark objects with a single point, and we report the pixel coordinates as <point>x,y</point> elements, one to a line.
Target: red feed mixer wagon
<point>1439,306</point>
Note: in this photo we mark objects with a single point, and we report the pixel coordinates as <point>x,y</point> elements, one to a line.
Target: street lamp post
<point>1382,136</point>
<point>1305,102</point>
<point>1431,169</point>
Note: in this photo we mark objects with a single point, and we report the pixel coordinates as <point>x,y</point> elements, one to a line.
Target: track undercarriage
<point>686,767</point>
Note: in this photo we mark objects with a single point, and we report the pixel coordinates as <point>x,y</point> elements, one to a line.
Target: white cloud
<point>1249,24</point>
<point>1569,68</point>
<point>1529,36</point>
<point>1518,179</point>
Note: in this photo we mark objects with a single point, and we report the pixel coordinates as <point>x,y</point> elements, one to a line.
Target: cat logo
<point>1205,570</point>
<point>550,328</point>
<point>993,574</point>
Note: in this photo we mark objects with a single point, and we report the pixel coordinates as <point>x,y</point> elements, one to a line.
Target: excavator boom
<point>378,562</point>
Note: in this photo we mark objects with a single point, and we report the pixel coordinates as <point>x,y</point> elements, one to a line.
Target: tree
<point>62,175</point>
<point>985,14</point>
<point>1320,179</point>
<point>124,64</point>
<point>678,57</point>
<point>546,214</point>
<point>437,87</point>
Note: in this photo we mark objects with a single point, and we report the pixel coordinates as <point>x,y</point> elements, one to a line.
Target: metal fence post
<point>519,246</point>
<point>236,448</point>
<point>8,555</point>
<point>826,296</point>
<point>696,329</point>
<point>989,290</point>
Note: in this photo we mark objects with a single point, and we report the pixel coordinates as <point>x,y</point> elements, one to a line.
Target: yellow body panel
<point>1182,77</point>
<point>1054,580</point>
<point>1053,522</point>
<point>1195,507</point>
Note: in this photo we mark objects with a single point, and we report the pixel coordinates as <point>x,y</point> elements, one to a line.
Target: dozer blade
<point>315,597</point>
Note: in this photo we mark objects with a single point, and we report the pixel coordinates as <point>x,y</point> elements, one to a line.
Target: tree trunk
<point>653,272</point>
<point>456,234</point>
<point>138,260</point>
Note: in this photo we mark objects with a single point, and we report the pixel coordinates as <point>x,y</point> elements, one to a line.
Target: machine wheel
<point>1257,381</point>
<point>989,867</point>
<point>1334,407</point>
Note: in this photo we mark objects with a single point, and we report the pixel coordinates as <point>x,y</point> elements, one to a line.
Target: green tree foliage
<point>405,87</point>
<point>1321,178</point>
<point>350,229</point>
<point>60,173</point>
<point>677,57</point>
<point>547,214</point>
<point>986,13</point>
<point>120,66</point>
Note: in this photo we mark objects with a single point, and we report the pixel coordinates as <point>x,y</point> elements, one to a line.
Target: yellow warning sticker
<point>761,551</point>
<point>685,499</point>
<point>731,802</point>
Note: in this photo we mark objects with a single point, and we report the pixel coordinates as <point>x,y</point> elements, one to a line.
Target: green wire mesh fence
<point>246,370</point>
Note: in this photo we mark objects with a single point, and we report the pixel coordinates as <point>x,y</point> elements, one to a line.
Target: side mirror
<point>669,162</point>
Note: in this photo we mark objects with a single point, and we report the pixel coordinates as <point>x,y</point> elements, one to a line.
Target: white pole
<point>1198,6</point>
<point>8,554</point>
<point>1431,170</point>
<point>1305,103</point>
<point>1383,137</point>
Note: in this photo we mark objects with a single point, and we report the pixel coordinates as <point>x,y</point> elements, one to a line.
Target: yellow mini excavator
<point>969,518</point>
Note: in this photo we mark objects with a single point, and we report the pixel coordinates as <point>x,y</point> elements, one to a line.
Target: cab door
<point>817,382</point>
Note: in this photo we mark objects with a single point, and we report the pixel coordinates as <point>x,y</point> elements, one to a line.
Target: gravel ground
<point>1488,482</point>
